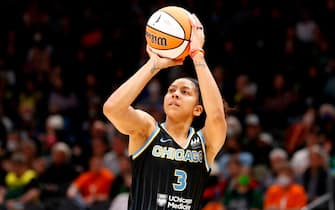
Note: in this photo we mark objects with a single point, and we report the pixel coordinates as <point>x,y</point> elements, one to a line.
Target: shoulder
<point>138,144</point>
<point>82,179</point>
<point>274,189</point>
<point>107,173</point>
<point>29,175</point>
<point>297,188</point>
<point>143,128</point>
<point>84,176</point>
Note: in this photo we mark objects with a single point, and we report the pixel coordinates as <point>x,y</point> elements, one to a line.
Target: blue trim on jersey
<point>147,143</point>
<point>191,132</point>
<point>202,138</point>
<point>190,135</point>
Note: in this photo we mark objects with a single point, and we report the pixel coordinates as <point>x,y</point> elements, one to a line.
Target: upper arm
<point>214,131</point>
<point>136,123</point>
<point>132,122</point>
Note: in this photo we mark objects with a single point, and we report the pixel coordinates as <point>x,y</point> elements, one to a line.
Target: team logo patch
<point>162,199</point>
<point>195,142</point>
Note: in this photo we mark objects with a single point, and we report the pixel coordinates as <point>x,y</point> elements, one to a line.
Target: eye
<point>171,90</point>
<point>185,92</point>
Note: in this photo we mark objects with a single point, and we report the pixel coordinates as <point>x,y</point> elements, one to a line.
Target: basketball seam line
<point>172,36</point>
<point>176,21</point>
<point>169,34</point>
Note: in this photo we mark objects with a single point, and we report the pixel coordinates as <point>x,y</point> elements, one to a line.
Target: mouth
<point>174,104</point>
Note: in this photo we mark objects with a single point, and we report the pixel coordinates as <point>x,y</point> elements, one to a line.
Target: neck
<point>177,130</point>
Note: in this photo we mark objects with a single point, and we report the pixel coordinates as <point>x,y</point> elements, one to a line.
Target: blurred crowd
<point>273,60</point>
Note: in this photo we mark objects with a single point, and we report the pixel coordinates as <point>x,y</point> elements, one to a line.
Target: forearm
<point>210,92</point>
<point>2,194</point>
<point>126,94</point>
<point>31,195</point>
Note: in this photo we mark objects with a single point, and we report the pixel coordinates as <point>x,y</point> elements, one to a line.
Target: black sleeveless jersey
<point>167,176</point>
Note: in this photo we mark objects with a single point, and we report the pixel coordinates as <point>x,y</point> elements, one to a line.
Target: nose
<point>175,95</point>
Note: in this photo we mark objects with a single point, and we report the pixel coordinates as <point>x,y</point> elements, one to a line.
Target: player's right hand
<point>162,62</point>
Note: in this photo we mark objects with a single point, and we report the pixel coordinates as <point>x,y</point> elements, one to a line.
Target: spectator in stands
<point>277,103</point>
<point>214,205</point>
<point>277,158</point>
<point>327,121</point>
<point>13,143</point>
<point>253,129</point>
<point>233,147</point>
<point>242,83</point>
<point>295,133</point>
<point>119,150</point>
<point>300,158</point>
<point>306,27</point>
<point>315,179</point>
<point>91,190</point>
<point>20,187</point>
<point>265,143</point>
<point>234,127</point>
<point>54,125</point>
<point>97,129</point>
<point>219,184</point>
<point>6,126</point>
<point>99,146</point>
<point>121,185</point>
<point>57,177</point>
<point>62,98</point>
<point>29,148</point>
<point>285,193</point>
<point>243,196</point>
<point>29,99</point>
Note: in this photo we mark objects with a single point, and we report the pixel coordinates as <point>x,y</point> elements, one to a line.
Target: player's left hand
<point>197,35</point>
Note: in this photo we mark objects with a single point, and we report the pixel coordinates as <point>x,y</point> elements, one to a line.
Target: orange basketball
<point>168,32</point>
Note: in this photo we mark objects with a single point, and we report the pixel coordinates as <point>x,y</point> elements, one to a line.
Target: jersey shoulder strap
<point>152,136</point>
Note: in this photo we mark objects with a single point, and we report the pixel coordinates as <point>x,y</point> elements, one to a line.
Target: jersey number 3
<point>181,180</point>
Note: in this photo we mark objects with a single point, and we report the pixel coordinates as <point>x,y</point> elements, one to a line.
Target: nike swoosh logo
<point>164,140</point>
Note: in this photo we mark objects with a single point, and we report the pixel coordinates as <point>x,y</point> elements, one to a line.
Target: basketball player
<point>171,160</point>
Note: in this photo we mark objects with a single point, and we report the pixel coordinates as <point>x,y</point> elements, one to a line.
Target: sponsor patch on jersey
<point>162,199</point>
<point>173,201</point>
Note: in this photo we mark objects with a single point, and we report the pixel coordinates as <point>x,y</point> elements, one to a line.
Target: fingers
<point>147,49</point>
<point>192,20</point>
<point>195,22</point>
<point>180,61</point>
<point>150,52</point>
<point>163,62</point>
<point>197,35</point>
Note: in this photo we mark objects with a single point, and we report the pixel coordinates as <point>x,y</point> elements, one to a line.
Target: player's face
<point>182,99</point>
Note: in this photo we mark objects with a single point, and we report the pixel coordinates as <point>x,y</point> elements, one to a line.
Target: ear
<point>197,110</point>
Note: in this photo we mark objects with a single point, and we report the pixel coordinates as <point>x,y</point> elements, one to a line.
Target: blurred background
<point>274,61</point>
